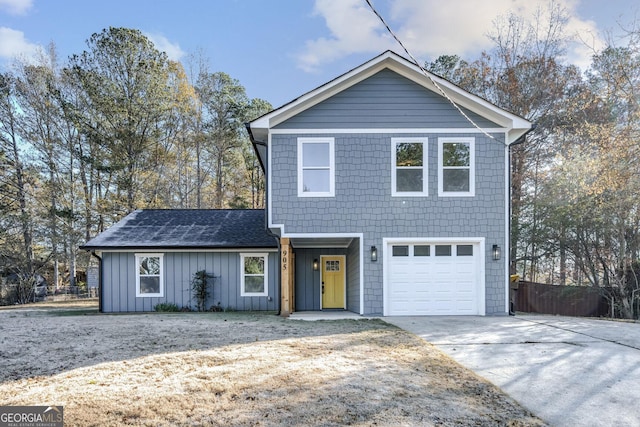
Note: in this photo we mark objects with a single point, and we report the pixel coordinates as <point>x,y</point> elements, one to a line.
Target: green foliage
<point>166,307</point>
<point>124,80</point>
<point>409,154</point>
<point>200,287</point>
<point>115,128</point>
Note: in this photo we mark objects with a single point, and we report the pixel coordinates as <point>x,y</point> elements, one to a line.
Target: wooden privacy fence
<point>578,301</point>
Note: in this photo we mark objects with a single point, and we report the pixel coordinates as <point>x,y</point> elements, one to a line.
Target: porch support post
<point>286,278</point>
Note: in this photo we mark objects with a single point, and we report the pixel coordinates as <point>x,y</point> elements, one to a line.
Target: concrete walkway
<point>568,371</point>
<point>325,315</point>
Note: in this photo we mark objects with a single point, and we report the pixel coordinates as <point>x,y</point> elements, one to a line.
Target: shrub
<point>200,288</point>
<point>166,307</point>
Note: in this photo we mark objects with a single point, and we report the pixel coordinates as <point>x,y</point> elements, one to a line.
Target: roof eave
<point>256,142</point>
<point>404,67</point>
<point>169,248</point>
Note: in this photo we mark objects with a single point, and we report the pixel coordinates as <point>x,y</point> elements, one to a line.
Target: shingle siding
<point>353,276</point>
<point>363,201</point>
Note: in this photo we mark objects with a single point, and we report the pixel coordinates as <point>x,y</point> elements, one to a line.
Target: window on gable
<point>456,167</point>
<point>316,170</point>
<point>149,275</point>
<point>253,275</point>
<point>409,167</point>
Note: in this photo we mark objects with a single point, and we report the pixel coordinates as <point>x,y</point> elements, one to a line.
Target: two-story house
<point>387,194</point>
<point>389,191</point>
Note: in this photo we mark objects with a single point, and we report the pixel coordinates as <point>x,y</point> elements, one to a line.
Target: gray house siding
<point>353,276</point>
<point>363,202</point>
<point>119,281</point>
<point>384,100</point>
<point>307,281</point>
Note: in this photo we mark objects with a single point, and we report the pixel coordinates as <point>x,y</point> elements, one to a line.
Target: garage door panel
<point>440,283</point>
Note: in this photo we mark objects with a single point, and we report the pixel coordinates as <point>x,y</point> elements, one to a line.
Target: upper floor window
<point>409,167</point>
<point>149,275</point>
<point>316,167</point>
<point>456,167</point>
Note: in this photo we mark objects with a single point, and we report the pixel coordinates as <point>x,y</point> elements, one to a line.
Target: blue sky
<point>280,49</point>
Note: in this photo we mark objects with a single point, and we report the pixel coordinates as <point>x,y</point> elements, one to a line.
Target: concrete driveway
<point>568,371</point>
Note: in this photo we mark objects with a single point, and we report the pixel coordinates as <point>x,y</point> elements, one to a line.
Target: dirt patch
<point>237,369</point>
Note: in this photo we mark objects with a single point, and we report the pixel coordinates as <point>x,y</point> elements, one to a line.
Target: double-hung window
<point>409,167</point>
<point>253,275</point>
<point>316,167</point>
<point>456,167</point>
<point>149,275</point>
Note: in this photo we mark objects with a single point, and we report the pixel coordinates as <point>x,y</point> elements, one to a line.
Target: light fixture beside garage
<point>374,253</point>
<point>497,252</point>
<point>316,265</point>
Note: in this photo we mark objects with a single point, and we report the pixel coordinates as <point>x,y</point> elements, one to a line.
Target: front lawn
<point>164,369</point>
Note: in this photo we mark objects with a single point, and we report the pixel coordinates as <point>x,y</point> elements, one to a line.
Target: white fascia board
<point>156,251</point>
<point>426,131</point>
<point>514,134</point>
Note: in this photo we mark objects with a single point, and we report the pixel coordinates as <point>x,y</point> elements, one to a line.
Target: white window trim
<point>265,256</point>
<point>139,294</point>
<point>332,169</point>
<point>472,167</point>
<point>425,167</point>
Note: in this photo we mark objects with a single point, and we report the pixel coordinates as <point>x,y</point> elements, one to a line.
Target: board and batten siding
<point>384,100</point>
<point>119,281</point>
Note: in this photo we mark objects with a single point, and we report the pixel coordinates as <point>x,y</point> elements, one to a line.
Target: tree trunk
<point>21,195</point>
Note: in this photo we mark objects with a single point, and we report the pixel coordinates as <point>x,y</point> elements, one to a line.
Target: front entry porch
<point>320,273</point>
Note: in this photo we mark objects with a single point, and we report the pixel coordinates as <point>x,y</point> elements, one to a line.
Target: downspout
<point>266,210</point>
<point>100,295</point>
<point>518,141</point>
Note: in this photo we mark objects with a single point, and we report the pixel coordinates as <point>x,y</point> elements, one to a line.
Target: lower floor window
<point>149,275</point>
<point>253,275</point>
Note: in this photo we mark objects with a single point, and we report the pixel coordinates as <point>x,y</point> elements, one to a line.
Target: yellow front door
<point>333,274</point>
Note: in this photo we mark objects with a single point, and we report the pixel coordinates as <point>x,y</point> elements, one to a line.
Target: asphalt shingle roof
<point>186,229</point>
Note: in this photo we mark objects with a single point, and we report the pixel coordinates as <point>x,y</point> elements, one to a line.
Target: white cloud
<point>353,29</point>
<point>587,40</point>
<point>13,44</point>
<point>429,28</point>
<point>173,50</point>
<point>16,7</point>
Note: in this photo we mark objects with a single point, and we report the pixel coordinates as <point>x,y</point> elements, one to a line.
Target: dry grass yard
<point>238,369</point>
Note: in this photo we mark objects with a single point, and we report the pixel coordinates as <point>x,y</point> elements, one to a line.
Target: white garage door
<point>433,279</point>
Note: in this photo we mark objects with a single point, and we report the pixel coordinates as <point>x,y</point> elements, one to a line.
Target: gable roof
<point>186,229</point>
<point>515,125</point>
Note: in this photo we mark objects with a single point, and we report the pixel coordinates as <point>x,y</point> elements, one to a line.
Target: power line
<point>425,72</point>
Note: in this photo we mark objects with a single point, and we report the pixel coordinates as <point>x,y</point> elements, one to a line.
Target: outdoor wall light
<point>315,264</point>
<point>374,253</point>
<point>496,252</point>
